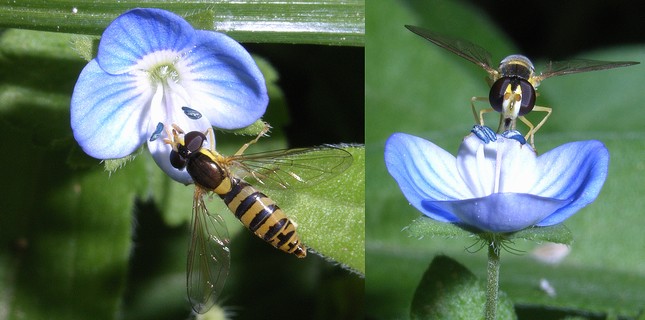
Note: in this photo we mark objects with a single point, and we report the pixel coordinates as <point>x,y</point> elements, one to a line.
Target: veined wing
<point>290,168</point>
<point>460,47</point>
<point>208,256</point>
<point>558,68</point>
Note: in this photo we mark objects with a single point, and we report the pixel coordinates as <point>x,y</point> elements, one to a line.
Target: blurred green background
<point>416,87</point>
<point>80,243</point>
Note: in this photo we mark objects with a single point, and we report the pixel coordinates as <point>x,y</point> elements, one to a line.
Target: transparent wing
<point>462,48</point>
<point>208,256</point>
<point>558,68</point>
<point>291,168</point>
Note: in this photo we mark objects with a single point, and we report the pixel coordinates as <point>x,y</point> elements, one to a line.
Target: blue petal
<point>139,32</point>
<point>424,171</point>
<point>574,171</point>
<point>499,212</point>
<point>224,82</point>
<point>108,115</point>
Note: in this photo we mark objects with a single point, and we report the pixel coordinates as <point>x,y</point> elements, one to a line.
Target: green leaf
<point>327,22</point>
<point>72,233</point>
<point>449,291</point>
<point>330,215</point>
<point>70,227</point>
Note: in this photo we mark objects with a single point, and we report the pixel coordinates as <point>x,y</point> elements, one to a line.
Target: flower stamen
<point>498,170</point>
<point>155,135</point>
<point>191,113</point>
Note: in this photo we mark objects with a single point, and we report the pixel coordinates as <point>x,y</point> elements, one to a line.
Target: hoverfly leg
<point>530,136</point>
<point>211,138</point>
<point>262,133</point>
<point>479,116</point>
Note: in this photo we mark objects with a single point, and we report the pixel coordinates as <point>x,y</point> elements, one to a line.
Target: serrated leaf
<point>331,214</point>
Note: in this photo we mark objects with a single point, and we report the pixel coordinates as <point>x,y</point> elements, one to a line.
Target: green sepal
<point>423,227</point>
<point>85,46</point>
<point>254,129</point>
<point>112,165</point>
<point>558,233</point>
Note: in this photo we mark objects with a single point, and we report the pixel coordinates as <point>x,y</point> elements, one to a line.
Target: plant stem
<point>492,287</point>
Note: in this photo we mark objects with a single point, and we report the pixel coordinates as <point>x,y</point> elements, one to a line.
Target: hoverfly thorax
<point>208,173</point>
<point>517,66</point>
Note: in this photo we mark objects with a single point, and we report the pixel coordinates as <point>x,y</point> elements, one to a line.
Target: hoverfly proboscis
<point>514,82</point>
<point>232,179</point>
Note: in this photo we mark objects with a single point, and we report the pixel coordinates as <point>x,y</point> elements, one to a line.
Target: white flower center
<point>161,72</point>
<point>501,166</point>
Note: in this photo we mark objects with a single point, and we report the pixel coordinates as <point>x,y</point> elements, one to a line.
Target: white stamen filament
<point>498,169</point>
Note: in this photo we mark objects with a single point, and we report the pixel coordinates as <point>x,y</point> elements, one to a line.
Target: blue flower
<point>497,183</point>
<point>153,70</point>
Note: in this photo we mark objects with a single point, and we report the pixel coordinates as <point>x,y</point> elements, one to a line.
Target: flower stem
<point>492,287</point>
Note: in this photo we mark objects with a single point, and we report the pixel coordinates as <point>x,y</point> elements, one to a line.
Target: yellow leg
<point>264,131</point>
<point>479,118</point>
<point>211,138</point>
<point>530,136</point>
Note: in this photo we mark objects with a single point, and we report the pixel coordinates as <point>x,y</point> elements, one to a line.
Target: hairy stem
<point>492,287</point>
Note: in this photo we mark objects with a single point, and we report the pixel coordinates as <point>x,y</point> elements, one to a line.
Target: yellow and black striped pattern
<point>255,210</point>
<point>263,217</point>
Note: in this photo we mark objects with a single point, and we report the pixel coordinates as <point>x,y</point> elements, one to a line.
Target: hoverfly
<point>231,178</point>
<point>513,84</point>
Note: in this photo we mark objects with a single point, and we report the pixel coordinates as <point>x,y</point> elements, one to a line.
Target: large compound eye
<point>194,141</point>
<point>528,97</point>
<point>512,89</point>
<point>176,160</point>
